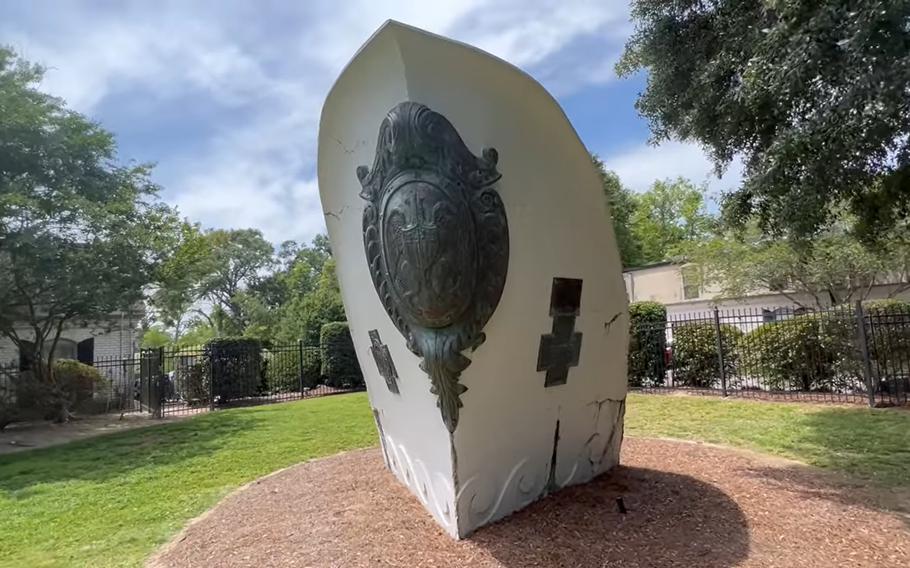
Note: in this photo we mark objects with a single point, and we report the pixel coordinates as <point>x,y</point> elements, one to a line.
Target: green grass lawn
<point>112,500</point>
<point>872,444</point>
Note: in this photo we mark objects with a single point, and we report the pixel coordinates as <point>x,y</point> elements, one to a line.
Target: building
<point>678,287</point>
<point>114,338</point>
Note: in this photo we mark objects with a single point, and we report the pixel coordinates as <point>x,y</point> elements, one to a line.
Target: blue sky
<point>225,96</point>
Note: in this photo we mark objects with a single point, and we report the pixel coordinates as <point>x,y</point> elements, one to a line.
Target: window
<point>691,282</point>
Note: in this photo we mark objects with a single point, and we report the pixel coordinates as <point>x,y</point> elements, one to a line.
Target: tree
<point>80,234</point>
<point>622,206</point>
<point>234,261</point>
<point>178,286</point>
<point>668,215</point>
<point>154,337</point>
<point>306,314</point>
<point>812,95</point>
<point>833,268</point>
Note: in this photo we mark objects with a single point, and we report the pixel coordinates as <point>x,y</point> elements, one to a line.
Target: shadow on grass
<point>108,456</point>
<point>870,444</point>
<point>865,454</point>
<point>672,520</point>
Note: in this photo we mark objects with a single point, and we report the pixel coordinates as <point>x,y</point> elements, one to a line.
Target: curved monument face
<point>479,274</point>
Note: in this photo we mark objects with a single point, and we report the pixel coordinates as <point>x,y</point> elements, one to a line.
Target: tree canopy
<point>81,235</point>
<point>622,206</point>
<point>650,226</point>
<point>668,215</point>
<point>812,95</point>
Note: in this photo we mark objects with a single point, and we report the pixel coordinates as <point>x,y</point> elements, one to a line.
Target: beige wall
<point>664,283</point>
<point>661,283</point>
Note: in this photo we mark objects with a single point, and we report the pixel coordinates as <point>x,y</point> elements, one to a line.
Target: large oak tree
<point>815,97</point>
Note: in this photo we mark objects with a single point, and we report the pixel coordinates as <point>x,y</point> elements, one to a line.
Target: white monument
<point>479,273</point>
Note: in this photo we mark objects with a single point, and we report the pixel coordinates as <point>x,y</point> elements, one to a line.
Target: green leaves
<point>834,267</point>
<point>80,235</point>
<point>666,216</point>
<point>812,95</point>
<point>649,227</point>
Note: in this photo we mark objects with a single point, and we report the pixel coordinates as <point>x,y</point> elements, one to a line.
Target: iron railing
<point>187,380</point>
<point>851,353</point>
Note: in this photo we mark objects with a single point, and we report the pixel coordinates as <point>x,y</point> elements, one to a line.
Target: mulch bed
<point>689,505</point>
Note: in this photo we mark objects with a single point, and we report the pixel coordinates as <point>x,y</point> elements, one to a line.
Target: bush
<point>806,352</point>
<point>236,367</point>
<point>192,382</point>
<point>77,380</point>
<point>890,306</point>
<point>339,360</point>
<point>647,343</point>
<point>888,333</point>
<point>695,357</point>
<point>9,412</point>
<point>73,389</point>
<point>283,369</point>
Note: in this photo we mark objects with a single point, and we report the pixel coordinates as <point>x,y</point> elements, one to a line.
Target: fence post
<point>720,353</point>
<point>864,351</point>
<point>300,365</point>
<point>156,396</point>
<point>211,366</point>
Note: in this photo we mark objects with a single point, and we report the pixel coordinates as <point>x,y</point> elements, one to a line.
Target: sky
<point>224,97</point>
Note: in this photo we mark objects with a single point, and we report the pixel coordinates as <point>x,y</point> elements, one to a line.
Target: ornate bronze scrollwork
<point>436,240</point>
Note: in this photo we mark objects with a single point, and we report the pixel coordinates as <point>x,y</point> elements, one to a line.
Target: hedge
<point>808,353</point>
<point>695,358</point>
<point>647,343</point>
<point>283,369</point>
<point>236,367</point>
<point>339,360</point>
<point>891,306</point>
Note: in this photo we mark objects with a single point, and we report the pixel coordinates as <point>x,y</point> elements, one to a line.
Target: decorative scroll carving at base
<point>436,240</point>
<point>433,488</point>
<point>483,499</point>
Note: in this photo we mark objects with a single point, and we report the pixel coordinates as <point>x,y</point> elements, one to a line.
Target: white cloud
<point>640,166</point>
<point>268,66</point>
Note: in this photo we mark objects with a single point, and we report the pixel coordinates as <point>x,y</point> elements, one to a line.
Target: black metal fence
<point>186,380</point>
<point>844,354</point>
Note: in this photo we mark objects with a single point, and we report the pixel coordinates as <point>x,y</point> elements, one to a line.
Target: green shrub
<point>283,369</point>
<point>76,380</point>
<point>9,411</point>
<point>890,306</point>
<point>888,333</point>
<point>647,343</point>
<point>807,352</point>
<point>695,357</point>
<point>339,360</point>
<point>236,367</point>
<point>192,381</point>
<point>73,388</point>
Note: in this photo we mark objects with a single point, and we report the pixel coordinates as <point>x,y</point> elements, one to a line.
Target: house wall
<point>664,283</point>
<point>111,341</point>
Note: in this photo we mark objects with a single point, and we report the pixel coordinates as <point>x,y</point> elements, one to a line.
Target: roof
<point>652,265</point>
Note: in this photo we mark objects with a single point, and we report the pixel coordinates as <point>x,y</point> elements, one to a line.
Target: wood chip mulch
<point>689,505</point>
